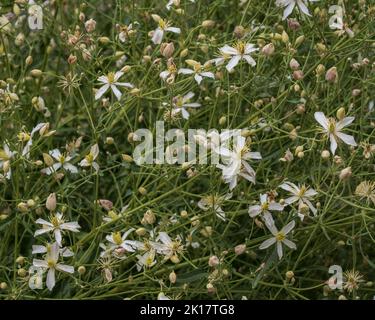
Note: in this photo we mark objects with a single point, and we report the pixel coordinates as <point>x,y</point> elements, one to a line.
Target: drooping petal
<point>116,91</point>
<point>157,37</point>
<point>321,119</point>
<point>173,29</point>
<point>69,167</point>
<point>288,10</point>
<point>51,279</point>
<point>250,60</point>
<point>347,139</point>
<point>279,250</point>
<point>198,78</point>
<point>288,227</point>
<point>64,268</point>
<point>290,244</point>
<point>254,211</point>
<point>102,90</point>
<point>233,62</point>
<point>333,143</point>
<point>269,242</point>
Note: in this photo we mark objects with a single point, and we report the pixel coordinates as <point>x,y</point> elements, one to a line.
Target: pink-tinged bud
<point>298,75</point>
<point>356,92</point>
<point>51,202</point>
<point>293,24</point>
<point>106,204</point>
<point>72,59</point>
<point>345,173</point>
<point>294,65</point>
<point>240,249</point>
<point>167,49</point>
<point>268,50</point>
<point>213,261</point>
<point>90,25</point>
<point>331,75</point>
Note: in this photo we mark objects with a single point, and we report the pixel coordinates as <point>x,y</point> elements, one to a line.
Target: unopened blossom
<point>240,51</point>
<point>214,202</point>
<point>56,225</point>
<point>6,155</point>
<point>63,161</point>
<point>236,162</point>
<point>197,71</point>
<point>164,26</point>
<point>89,160</point>
<point>51,264</point>
<point>302,195</point>
<point>333,129</point>
<point>279,237</point>
<point>118,241</point>
<point>110,81</point>
<point>181,103</point>
<point>264,208</point>
<point>166,246</point>
<point>291,4</point>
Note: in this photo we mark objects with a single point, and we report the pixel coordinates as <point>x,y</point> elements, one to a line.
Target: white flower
<point>170,74</point>
<point>333,130</point>
<point>164,26</point>
<point>89,160</point>
<point>181,103</point>
<point>290,4</point>
<point>279,237</point>
<point>198,71</point>
<point>56,226</point>
<point>236,162</point>
<point>302,194</point>
<point>119,243</point>
<point>43,131</point>
<point>64,252</point>
<point>62,161</point>
<point>124,32</point>
<point>5,157</point>
<point>167,247</point>
<point>241,51</point>
<point>110,82</point>
<point>264,208</point>
<point>146,260</point>
<point>51,264</point>
<point>214,202</point>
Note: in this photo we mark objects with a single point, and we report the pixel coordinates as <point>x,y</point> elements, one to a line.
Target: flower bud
<point>213,261</point>
<point>51,202</point>
<point>293,64</point>
<point>268,50</point>
<point>167,49</point>
<point>331,75</point>
<point>240,249</point>
<point>345,173</point>
<point>127,158</point>
<point>325,154</point>
<point>298,75</point>
<point>90,25</point>
<point>36,73</point>
<point>239,32</point>
<point>172,277</point>
<point>142,191</point>
<point>81,270</point>
<point>208,24</point>
<point>340,114</point>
